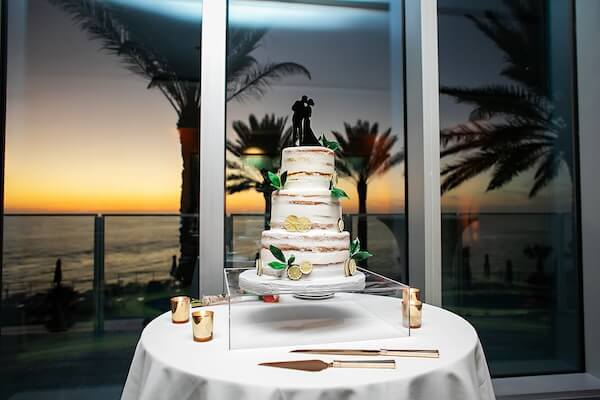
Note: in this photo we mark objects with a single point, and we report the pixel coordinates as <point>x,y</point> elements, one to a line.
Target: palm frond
<point>500,100</point>
<point>256,80</point>
<point>514,162</point>
<point>548,170</point>
<point>470,166</point>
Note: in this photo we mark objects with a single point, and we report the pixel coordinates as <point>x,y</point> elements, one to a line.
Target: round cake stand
<point>308,289</point>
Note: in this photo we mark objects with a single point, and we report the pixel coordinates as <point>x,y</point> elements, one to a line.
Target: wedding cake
<point>306,248</point>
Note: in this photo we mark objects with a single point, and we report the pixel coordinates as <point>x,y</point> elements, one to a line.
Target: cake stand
<point>305,288</point>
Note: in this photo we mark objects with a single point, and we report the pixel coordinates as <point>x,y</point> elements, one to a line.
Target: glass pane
<point>509,204</point>
<point>101,193</point>
<point>347,58</point>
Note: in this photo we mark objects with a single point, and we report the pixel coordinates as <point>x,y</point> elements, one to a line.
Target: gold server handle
<point>411,353</point>
<point>380,364</point>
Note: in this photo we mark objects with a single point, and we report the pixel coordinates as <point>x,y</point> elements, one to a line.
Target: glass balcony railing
<point>91,282</point>
<point>77,290</point>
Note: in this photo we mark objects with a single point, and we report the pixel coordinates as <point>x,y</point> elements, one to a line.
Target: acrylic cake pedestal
<point>372,310</point>
<point>267,284</point>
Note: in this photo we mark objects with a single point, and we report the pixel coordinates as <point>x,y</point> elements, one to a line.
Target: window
<point>101,194</point>
<point>509,177</point>
<point>347,58</point>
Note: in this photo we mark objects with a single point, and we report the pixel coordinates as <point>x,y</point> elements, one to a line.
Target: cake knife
<point>380,352</point>
<point>319,365</point>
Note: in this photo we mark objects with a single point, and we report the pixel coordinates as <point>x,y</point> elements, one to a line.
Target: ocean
<point>140,248</point>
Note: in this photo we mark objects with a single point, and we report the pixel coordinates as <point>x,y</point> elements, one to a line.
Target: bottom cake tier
<point>266,284</point>
<point>326,251</point>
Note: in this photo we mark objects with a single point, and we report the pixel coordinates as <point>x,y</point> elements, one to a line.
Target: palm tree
<point>245,77</point>
<point>254,153</point>
<point>512,128</point>
<point>365,153</point>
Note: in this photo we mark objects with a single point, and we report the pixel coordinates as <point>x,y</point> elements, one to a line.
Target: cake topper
<point>302,134</point>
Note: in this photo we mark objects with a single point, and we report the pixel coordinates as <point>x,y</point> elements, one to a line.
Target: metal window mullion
<point>212,146</point>
<point>423,148</point>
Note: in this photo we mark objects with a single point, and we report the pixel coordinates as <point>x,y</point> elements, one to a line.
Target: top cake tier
<point>308,167</point>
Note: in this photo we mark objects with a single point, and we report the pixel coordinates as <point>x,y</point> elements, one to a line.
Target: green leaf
<point>291,259</point>
<point>362,255</point>
<point>275,181</point>
<point>283,178</point>
<point>330,145</point>
<point>354,247</point>
<point>277,265</point>
<point>338,193</point>
<point>278,254</point>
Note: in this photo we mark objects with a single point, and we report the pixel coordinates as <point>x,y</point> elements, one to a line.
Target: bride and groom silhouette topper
<point>302,134</point>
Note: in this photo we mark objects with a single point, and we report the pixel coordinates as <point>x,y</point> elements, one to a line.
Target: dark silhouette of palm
<point>265,139</point>
<point>512,128</point>
<point>245,78</point>
<point>539,253</point>
<point>365,153</point>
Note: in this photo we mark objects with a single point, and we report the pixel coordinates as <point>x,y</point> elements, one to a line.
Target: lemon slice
<point>259,268</point>
<point>294,273</point>
<point>341,224</point>
<point>291,223</point>
<point>352,266</point>
<point>346,269</point>
<point>303,225</point>
<point>306,267</point>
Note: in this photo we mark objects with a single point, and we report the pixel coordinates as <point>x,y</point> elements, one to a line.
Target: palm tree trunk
<point>188,228</point>
<point>361,188</point>
<point>267,196</point>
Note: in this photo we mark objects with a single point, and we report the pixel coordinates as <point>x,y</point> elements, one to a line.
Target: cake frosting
<point>306,223</point>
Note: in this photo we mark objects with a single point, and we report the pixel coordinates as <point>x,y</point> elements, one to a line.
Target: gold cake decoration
<point>293,223</point>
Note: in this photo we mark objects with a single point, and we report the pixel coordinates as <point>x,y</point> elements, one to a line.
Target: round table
<point>168,364</point>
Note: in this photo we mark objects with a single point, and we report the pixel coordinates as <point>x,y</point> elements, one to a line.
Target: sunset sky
<point>85,135</point>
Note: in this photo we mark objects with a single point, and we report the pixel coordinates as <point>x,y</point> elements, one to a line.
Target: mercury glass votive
<point>202,325</point>
<point>180,309</point>
<point>411,308</point>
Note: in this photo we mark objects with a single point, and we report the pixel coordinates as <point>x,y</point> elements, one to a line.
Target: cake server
<point>380,352</point>
<point>319,365</point>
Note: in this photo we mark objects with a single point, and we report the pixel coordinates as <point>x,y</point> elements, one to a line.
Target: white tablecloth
<point>168,364</point>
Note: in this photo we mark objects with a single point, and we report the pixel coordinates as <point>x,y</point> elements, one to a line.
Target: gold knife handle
<point>411,353</point>
<point>383,364</point>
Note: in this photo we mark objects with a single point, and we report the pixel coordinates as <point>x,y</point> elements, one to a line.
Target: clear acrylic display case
<point>374,312</point>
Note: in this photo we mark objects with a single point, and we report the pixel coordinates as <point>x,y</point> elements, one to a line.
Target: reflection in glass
<point>102,117</point>
<point>342,53</point>
<point>510,262</point>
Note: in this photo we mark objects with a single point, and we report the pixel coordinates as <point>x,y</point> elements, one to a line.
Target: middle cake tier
<point>326,251</point>
<point>323,211</point>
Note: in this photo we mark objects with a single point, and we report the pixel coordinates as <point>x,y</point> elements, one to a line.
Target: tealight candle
<point>202,325</point>
<point>180,309</point>
<point>411,308</point>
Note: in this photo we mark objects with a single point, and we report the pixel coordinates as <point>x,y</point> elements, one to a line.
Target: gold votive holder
<point>202,325</point>
<point>180,309</point>
<point>411,294</point>
<point>412,308</point>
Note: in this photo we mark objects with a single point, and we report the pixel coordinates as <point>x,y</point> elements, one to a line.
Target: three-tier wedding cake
<point>306,250</point>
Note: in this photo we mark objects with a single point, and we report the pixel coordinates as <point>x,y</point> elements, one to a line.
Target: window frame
<point>419,18</point>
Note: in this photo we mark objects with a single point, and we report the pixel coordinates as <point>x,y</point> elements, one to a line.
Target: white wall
<point>587,13</point>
